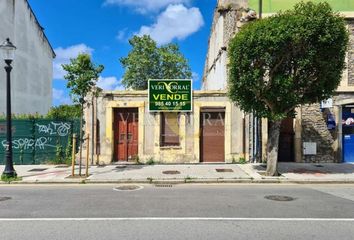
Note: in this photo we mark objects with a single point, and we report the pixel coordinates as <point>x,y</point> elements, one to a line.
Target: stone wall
<point>314,129</point>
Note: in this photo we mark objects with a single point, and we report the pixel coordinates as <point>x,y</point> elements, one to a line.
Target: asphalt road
<point>177,212</point>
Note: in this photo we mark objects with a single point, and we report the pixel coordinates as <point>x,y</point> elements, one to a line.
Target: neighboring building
<point>32,73</point>
<point>316,134</point>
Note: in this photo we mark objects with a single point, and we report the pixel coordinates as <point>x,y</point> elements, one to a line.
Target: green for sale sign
<point>170,95</point>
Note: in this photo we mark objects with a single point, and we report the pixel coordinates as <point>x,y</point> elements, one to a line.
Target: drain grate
<point>37,169</point>
<point>171,172</point>
<point>318,165</point>
<point>164,185</point>
<point>224,170</point>
<point>279,198</point>
<point>121,166</point>
<point>2,199</point>
<point>62,166</point>
<point>128,188</point>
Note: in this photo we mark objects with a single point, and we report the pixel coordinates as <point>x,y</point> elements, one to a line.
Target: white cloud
<point>145,6</point>
<point>59,97</point>
<point>64,55</point>
<point>195,77</point>
<point>122,34</point>
<point>176,22</point>
<point>109,83</point>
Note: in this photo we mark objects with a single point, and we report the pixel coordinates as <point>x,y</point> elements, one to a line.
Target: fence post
<point>73,156</point>
<point>87,154</point>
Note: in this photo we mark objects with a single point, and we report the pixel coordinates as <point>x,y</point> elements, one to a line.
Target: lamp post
<point>8,52</point>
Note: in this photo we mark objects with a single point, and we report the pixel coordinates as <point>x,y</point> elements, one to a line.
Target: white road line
<point>180,219</point>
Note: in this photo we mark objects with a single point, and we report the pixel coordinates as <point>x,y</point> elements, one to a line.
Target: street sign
<point>170,95</point>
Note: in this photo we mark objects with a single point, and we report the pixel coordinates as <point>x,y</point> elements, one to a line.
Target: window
<point>169,129</point>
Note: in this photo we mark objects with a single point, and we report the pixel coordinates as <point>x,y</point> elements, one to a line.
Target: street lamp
<point>8,53</point>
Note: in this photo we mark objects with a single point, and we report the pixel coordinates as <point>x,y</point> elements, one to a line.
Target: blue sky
<point>103,27</point>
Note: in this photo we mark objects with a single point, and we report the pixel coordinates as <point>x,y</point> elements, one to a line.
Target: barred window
<point>169,129</point>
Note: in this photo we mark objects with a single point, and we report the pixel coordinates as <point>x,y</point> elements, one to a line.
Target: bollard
<point>73,156</point>
<point>87,154</point>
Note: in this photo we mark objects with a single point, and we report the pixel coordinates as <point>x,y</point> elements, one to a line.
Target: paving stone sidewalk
<point>198,173</point>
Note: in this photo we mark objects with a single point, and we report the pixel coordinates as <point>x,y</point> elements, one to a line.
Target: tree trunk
<point>272,149</point>
<point>80,137</point>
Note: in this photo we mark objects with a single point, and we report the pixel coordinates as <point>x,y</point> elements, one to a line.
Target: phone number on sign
<point>170,104</point>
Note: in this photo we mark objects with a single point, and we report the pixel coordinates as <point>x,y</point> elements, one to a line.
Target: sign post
<point>170,95</point>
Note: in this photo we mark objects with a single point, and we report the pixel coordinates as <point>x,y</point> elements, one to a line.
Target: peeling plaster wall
<point>149,127</point>
<point>225,25</point>
<point>32,73</point>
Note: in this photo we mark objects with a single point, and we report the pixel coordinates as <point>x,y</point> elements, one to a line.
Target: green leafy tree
<point>82,75</point>
<point>148,61</point>
<point>279,63</point>
<point>65,112</point>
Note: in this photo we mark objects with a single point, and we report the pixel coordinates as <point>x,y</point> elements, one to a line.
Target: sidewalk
<point>201,173</point>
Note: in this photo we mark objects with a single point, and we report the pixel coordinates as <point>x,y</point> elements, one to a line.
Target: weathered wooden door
<point>286,141</point>
<point>212,135</point>
<point>126,134</point>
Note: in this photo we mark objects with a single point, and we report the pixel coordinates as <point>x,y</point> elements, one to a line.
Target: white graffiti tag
<point>29,144</point>
<point>55,128</point>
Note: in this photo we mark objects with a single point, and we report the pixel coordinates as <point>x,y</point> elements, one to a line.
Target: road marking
<point>181,219</point>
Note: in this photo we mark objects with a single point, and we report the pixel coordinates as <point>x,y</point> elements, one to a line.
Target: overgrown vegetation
<point>147,61</point>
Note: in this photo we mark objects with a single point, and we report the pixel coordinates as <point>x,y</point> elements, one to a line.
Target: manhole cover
<point>128,188</point>
<point>37,169</point>
<point>171,172</point>
<point>2,199</point>
<point>121,166</point>
<point>224,170</point>
<point>279,198</point>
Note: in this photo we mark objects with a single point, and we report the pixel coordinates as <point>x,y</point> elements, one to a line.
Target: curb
<point>183,181</point>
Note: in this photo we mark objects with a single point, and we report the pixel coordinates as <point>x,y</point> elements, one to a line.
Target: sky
<point>102,28</point>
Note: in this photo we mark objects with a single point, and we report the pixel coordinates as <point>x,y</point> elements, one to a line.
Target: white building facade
<point>32,73</point>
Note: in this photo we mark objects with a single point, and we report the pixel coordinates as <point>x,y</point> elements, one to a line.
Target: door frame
<point>228,129</point>
<point>211,110</point>
<point>108,129</point>
<point>116,111</point>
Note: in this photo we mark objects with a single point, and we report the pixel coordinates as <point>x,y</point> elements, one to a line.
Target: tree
<point>65,112</point>
<point>279,63</point>
<point>148,61</point>
<point>82,75</point>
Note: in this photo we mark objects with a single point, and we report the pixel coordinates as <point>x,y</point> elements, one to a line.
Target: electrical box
<point>310,148</point>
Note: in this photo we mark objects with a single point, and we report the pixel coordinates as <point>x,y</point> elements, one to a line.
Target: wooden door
<point>212,138</point>
<point>126,134</point>
<point>286,141</point>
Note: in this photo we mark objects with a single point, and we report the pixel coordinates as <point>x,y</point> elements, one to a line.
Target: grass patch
<point>7,179</point>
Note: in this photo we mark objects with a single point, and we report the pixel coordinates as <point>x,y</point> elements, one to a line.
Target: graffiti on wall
<point>41,143</point>
<point>54,128</point>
